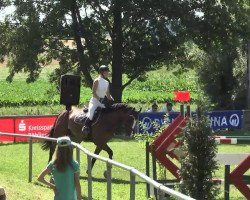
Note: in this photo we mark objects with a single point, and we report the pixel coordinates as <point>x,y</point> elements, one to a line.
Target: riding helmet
<point>103,68</point>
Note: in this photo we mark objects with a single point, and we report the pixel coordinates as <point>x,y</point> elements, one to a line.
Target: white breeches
<point>94,103</point>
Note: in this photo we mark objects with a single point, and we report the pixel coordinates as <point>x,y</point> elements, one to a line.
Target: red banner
<point>182,96</point>
<point>39,126</point>
<point>6,126</point>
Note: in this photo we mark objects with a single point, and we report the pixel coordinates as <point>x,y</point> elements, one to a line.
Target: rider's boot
<point>86,129</point>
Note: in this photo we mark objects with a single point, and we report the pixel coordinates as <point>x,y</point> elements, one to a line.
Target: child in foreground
<point>65,172</point>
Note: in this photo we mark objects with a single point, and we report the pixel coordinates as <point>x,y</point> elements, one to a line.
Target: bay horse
<point>102,130</point>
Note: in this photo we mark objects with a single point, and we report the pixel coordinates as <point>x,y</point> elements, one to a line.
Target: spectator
<point>65,172</point>
<point>2,194</point>
<point>154,108</point>
<point>168,108</point>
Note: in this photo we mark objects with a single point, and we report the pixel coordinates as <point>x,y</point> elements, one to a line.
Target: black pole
<point>182,110</point>
<point>68,107</point>
<point>154,169</point>
<point>147,168</point>
<point>188,111</point>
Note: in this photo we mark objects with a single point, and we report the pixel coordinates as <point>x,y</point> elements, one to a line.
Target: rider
<point>100,89</point>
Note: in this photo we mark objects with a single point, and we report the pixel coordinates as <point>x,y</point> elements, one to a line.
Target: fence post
<point>154,168</point>
<point>161,194</point>
<point>147,168</point>
<point>132,186</point>
<point>109,182</point>
<point>226,182</point>
<point>182,111</point>
<point>30,159</point>
<point>89,178</point>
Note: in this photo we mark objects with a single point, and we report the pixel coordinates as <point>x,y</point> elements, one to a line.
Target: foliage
<point>198,166</point>
<point>134,37</point>
<point>223,77</point>
<point>158,87</point>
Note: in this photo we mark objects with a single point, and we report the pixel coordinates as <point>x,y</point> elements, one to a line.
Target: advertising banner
<point>35,125</point>
<point>151,122</point>
<point>226,119</point>
<point>39,126</point>
<point>6,126</point>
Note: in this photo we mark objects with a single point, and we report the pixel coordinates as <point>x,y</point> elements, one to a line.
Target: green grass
<point>14,165</point>
<point>14,171</point>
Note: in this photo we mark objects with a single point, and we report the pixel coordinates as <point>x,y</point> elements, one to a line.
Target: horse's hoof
<point>52,180</point>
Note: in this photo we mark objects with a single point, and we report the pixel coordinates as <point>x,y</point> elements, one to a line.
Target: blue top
<point>64,181</point>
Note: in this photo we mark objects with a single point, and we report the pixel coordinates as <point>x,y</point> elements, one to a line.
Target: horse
<point>102,131</point>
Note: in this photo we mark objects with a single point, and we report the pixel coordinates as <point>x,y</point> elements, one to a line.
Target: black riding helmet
<point>103,68</point>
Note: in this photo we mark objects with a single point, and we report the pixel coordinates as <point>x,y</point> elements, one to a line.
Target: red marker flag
<point>182,96</point>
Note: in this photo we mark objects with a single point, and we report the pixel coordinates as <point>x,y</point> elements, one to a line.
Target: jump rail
<point>133,172</point>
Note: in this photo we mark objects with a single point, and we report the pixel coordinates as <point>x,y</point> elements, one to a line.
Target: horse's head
<point>130,120</point>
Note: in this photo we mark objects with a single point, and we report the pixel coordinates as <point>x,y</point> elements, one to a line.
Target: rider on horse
<point>100,89</point>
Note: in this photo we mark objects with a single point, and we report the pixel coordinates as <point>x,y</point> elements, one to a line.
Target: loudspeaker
<point>70,89</point>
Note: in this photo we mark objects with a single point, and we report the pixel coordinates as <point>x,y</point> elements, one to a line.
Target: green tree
<point>132,36</point>
<point>199,165</point>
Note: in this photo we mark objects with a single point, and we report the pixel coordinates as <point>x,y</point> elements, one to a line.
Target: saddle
<point>81,117</point>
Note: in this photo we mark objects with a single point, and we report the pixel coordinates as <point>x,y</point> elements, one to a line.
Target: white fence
<point>162,190</point>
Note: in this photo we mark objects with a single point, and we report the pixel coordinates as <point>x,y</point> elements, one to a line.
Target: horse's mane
<point>116,106</point>
<point>113,107</point>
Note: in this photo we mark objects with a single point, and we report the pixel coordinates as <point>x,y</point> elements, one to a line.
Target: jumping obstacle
<point>236,177</point>
<point>164,145</point>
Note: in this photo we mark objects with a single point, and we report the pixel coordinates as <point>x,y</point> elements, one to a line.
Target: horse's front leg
<point>108,150</point>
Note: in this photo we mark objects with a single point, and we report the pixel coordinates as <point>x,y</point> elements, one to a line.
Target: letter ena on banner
<point>151,122</point>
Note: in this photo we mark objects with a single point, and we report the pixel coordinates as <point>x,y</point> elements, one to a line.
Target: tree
<point>198,165</point>
<point>132,36</point>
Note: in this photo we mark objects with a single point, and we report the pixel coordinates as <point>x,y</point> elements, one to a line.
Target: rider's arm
<point>109,95</point>
<point>94,88</point>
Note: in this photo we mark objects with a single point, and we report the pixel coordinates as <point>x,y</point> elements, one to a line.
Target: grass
<point>14,171</point>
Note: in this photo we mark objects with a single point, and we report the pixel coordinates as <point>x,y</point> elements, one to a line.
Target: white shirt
<point>102,87</point>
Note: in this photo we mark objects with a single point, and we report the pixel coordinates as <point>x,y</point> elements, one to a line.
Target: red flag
<point>182,96</point>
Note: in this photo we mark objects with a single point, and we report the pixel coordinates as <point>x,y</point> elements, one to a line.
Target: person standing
<point>100,89</point>
<point>154,108</point>
<point>168,107</point>
<point>65,172</point>
<point>2,194</point>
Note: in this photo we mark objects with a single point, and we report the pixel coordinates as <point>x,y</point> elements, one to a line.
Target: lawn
<point>14,171</point>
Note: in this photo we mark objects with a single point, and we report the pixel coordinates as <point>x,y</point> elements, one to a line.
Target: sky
<point>6,11</point>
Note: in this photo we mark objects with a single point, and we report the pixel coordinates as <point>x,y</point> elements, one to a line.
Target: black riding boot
<point>86,129</point>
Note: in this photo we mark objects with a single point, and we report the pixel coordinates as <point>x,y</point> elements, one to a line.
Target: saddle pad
<point>80,118</point>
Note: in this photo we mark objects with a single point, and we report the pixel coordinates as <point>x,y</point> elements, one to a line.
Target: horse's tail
<point>47,144</point>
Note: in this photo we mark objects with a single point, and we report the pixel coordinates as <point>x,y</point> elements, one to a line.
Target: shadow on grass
<point>103,180</point>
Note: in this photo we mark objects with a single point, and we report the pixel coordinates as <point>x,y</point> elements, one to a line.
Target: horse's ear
<point>139,110</point>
